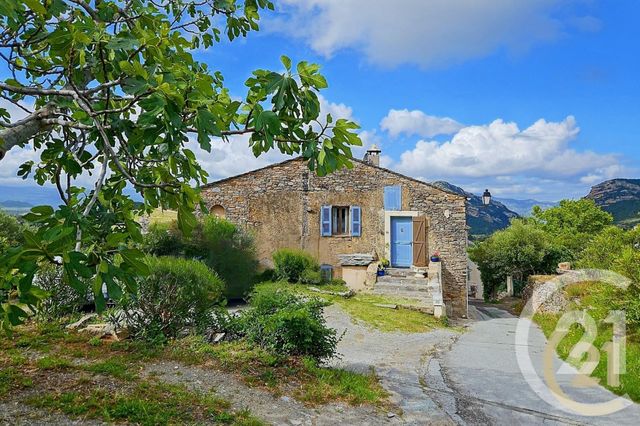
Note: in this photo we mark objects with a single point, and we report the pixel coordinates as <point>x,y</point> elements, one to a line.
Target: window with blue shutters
<point>340,221</point>
<point>356,221</point>
<point>393,197</point>
<point>325,221</point>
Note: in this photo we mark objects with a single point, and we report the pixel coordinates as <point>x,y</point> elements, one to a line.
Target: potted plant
<point>435,257</point>
<point>382,265</point>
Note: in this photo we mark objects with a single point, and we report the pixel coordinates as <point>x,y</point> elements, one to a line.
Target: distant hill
<point>15,204</point>
<point>621,198</point>
<point>482,220</point>
<point>31,194</point>
<point>523,207</point>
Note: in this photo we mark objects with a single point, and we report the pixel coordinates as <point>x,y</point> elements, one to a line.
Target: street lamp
<point>486,197</point>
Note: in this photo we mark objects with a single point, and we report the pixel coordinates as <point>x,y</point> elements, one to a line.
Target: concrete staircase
<point>403,283</point>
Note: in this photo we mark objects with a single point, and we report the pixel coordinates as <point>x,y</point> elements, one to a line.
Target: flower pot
<point>380,272</point>
<point>435,259</point>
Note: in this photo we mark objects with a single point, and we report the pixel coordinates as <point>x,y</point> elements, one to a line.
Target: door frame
<point>388,214</point>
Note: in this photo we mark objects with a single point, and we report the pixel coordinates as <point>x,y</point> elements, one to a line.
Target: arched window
<point>218,210</point>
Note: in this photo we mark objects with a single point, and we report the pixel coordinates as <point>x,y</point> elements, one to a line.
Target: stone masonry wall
<point>281,205</point>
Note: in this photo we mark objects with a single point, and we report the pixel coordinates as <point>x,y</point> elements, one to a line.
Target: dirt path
<point>271,409</point>
<point>399,359</point>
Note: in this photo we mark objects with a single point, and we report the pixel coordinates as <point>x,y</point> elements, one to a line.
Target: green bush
<point>10,231</point>
<point>223,246</point>
<point>310,276</point>
<point>163,240</point>
<point>228,250</point>
<point>178,293</point>
<point>291,263</point>
<point>264,276</point>
<point>63,300</point>
<point>285,324</point>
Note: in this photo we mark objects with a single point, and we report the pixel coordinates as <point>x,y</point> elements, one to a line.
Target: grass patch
<point>595,299</point>
<point>11,378</point>
<point>310,383</point>
<point>363,307</point>
<point>51,362</point>
<point>118,362</point>
<point>336,384</point>
<point>117,366</point>
<point>146,403</point>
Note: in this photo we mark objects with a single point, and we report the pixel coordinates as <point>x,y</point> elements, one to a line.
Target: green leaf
<point>133,258</point>
<point>286,62</point>
<point>36,6</point>
<point>186,220</point>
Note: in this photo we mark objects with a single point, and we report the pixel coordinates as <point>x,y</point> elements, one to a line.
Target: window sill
<point>340,237</point>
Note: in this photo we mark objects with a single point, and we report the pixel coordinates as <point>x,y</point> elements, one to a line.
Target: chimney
<point>373,156</point>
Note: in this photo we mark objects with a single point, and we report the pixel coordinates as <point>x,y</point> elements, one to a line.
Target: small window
<point>218,211</point>
<point>340,220</point>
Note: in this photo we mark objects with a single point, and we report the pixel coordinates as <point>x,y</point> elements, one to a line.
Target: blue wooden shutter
<point>325,221</point>
<point>356,221</point>
<point>392,198</point>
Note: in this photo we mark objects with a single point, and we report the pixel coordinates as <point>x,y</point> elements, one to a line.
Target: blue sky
<point>530,98</point>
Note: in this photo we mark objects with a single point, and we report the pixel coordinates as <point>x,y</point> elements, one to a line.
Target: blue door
<point>401,239</point>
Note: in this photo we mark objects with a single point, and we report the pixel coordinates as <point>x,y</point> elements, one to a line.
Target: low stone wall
<point>545,294</point>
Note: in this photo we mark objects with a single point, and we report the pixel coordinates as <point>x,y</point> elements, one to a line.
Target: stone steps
<point>403,280</point>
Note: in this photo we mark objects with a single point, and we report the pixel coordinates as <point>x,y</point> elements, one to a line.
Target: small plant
<point>178,293</point>
<point>291,263</point>
<point>95,341</point>
<point>435,257</point>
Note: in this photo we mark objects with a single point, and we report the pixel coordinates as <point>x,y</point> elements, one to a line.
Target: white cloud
<point>235,157</point>
<point>500,149</point>
<point>403,121</point>
<point>425,32</point>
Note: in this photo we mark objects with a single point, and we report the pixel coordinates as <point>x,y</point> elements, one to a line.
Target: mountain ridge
<point>621,198</point>
<point>481,219</point>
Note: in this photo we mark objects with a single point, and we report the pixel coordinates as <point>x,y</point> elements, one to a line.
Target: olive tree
<point>111,91</point>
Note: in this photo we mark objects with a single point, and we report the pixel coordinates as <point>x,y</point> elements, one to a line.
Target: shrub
<point>310,276</point>
<point>63,300</point>
<point>264,276</point>
<point>285,324</point>
<point>178,293</point>
<point>290,264</point>
<point>224,247</point>
<point>163,240</point>
<point>228,250</point>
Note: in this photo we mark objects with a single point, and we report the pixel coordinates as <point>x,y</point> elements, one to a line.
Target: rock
<point>356,259</point>
<point>218,337</point>
<point>81,321</point>
<point>101,330</point>
<point>345,294</point>
<point>391,415</point>
<point>386,305</point>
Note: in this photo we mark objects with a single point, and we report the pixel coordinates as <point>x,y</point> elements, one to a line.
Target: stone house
<point>367,209</point>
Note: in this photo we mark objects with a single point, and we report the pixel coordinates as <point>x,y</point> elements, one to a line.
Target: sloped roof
<point>300,158</point>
